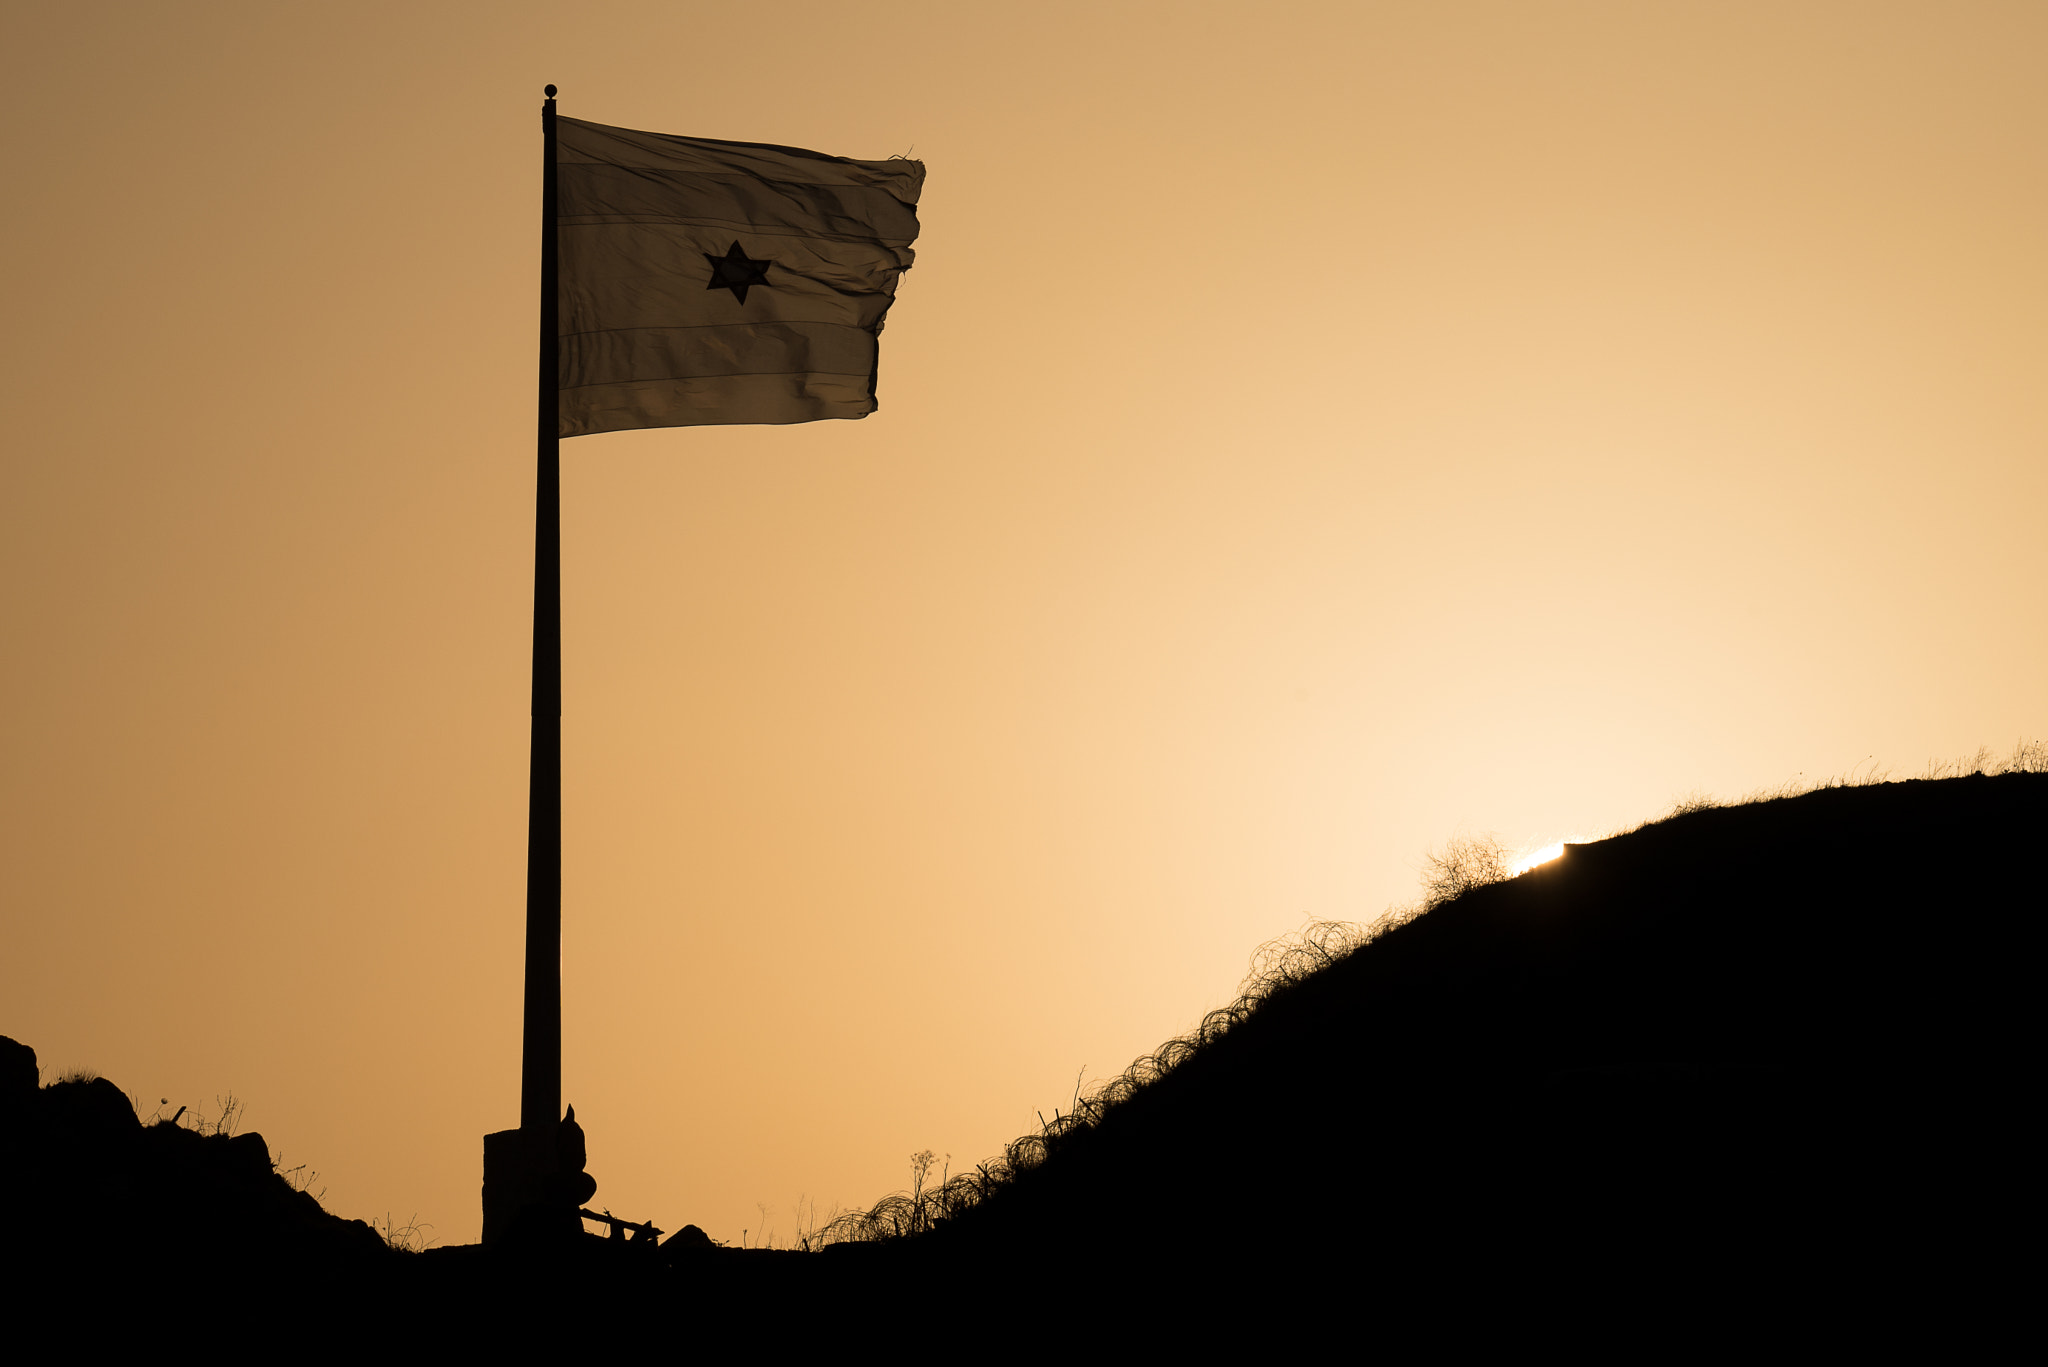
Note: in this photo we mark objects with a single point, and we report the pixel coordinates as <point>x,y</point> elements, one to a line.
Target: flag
<point>721,282</point>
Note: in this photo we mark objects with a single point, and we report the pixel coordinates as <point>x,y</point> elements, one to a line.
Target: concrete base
<point>531,1189</point>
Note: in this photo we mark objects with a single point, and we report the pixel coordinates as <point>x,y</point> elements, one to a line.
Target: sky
<point>1311,433</point>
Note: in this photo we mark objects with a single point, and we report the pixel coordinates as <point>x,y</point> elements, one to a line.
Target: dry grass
<point>410,1237</point>
<point>227,1118</point>
<point>2027,757</point>
<point>1275,966</point>
<point>1464,863</point>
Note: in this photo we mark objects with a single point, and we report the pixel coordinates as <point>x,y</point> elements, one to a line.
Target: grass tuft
<point>410,1237</point>
<point>1464,863</point>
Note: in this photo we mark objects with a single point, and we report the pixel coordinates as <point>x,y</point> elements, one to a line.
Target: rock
<point>89,1113</point>
<point>249,1156</point>
<point>688,1238</point>
<point>19,1076</point>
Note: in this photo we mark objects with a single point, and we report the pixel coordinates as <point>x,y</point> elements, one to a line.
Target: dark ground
<point>1758,1069</point>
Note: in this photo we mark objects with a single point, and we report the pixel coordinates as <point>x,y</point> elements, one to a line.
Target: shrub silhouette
<point>1462,865</point>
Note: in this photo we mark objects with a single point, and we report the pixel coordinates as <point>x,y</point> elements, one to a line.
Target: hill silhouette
<point>1762,1048</point>
<point>102,1203</point>
<point>1747,1055</point>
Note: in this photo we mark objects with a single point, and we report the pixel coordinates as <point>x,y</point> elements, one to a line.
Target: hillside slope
<point>96,1191</point>
<point>1781,1032</point>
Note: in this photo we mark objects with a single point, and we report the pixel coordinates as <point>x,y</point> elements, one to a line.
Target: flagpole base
<point>534,1185</point>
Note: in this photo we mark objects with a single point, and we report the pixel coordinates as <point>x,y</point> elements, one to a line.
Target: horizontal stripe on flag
<point>625,355</point>
<point>622,194</point>
<point>640,275</point>
<point>714,400</point>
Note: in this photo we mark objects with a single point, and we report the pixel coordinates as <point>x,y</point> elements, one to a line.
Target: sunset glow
<point>1309,431</point>
<point>1542,855</point>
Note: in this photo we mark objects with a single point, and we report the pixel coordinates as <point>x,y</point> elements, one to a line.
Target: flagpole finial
<point>549,92</point>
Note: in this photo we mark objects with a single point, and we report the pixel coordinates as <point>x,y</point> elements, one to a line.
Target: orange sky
<point>1310,432</point>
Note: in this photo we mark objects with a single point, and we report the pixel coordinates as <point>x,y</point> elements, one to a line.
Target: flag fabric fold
<point>722,282</point>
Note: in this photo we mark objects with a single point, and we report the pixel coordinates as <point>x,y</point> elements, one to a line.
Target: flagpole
<point>540,1075</point>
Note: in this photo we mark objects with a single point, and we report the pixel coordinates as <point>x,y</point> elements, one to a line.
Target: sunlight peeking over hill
<point>1521,864</point>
